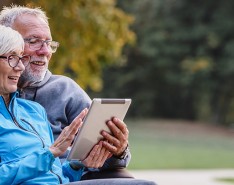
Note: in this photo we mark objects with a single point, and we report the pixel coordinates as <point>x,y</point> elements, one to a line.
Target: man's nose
<point>45,49</point>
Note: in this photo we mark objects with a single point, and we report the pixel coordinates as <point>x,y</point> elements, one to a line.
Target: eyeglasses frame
<point>20,58</point>
<point>42,43</point>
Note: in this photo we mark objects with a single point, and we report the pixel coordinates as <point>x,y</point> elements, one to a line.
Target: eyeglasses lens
<point>14,60</point>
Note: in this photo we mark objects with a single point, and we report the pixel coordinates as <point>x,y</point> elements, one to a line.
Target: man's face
<point>30,26</point>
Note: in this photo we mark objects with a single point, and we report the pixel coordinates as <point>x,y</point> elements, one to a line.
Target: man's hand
<point>118,142</point>
<point>66,137</point>
<point>97,156</point>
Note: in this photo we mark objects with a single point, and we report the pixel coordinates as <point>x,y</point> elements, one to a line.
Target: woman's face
<point>9,76</point>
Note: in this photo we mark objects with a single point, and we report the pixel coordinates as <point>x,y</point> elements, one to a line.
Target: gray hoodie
<point>63,99</point>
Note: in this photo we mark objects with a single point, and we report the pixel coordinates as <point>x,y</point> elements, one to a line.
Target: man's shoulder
<point>61,81</point>
<point>61,78</point>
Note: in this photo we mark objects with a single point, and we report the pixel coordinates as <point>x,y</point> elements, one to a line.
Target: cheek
<point>4,71</point>
<point>27,50</point>
<point>3,83</point>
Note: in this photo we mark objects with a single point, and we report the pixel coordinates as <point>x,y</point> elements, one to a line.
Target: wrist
<point>76,165</point>
<point>53,151</point>
<point>124,154</point>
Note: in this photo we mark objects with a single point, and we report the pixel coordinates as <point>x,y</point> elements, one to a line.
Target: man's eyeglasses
<point>13,60</point>
<point>36,44</point>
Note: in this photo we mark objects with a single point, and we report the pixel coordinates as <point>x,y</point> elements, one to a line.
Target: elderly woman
<point>28,153</point>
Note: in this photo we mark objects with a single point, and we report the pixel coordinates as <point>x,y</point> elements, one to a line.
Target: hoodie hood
<point>41,83</point>
<point>30,92</point>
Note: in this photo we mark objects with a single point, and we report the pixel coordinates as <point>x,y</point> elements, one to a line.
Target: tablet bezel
<point>101,110</point>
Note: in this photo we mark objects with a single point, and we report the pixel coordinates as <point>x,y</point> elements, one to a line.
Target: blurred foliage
<point>91,33</point>
<point>182,65</point>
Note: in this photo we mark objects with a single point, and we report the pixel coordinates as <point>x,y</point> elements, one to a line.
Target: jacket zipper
<point>60,180</point>
<point>36,133</point>
<point>43,144</point>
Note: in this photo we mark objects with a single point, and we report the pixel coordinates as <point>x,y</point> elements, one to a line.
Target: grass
<point>228,180</point>
<point>163,144</point>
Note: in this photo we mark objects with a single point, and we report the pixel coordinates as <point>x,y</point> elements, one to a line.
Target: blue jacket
<point>25,136</point>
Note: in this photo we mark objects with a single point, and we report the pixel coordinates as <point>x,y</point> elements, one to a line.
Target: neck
<point>6,98</point>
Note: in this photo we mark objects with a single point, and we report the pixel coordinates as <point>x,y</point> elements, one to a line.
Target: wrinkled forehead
<point>32,26</point>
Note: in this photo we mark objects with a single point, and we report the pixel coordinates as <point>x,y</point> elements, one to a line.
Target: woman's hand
<point>66,137</point>
<point>97,156</point>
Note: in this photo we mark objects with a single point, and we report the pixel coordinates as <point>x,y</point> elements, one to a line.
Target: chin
<point>12,90</point>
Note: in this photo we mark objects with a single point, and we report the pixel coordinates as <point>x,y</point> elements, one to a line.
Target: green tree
<point>182,64</point>
<point>91,33</point>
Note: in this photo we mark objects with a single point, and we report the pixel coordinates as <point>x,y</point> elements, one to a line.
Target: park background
<point>173,58</point>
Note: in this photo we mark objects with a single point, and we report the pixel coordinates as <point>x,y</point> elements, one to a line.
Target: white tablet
<point>101,110</point>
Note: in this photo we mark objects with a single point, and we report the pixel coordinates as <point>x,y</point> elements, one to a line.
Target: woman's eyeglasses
<point>13,60</point>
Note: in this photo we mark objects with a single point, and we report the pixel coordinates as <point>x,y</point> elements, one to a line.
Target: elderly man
<point>62,98</point>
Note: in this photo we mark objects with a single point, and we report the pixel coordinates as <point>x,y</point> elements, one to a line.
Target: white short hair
<point>9,14</point>
<point>10,40</point>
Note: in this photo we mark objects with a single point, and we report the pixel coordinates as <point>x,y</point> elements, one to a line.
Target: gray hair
<point>10,40</point>
<point>9,14</point>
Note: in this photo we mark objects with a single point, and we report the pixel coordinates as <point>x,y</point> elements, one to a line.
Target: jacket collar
<point>12,98</point>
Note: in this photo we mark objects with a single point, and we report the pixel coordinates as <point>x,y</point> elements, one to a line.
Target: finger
<point>101,151</point>
<point>111,139</point>
<point>62,135</point>
<point>80,116</point>
<point>115,130</point>
<point>83,113</point>
<point>110,147</point>
<point>77,122</point>
<point>104,154</point>
<point>93,152</point>
<point>68,133</point>
<point>98,158</point>
<point>98,152</point>
<point>101,160</point>
<point>74,127</point>
<point>121,125</point>
<point>88,161</point>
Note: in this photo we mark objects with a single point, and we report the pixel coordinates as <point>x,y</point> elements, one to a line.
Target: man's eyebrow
<point>32,37</point>
<point>37,37</point>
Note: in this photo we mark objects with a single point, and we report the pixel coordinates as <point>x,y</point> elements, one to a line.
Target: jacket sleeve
<point>73,175</point>
<point>26,168</point>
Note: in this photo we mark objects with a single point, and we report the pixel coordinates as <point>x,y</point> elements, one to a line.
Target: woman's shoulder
<point>29,105</point>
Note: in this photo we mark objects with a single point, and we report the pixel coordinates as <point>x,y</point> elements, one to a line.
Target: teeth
<point>38,63</point>
<point>12,78</point>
